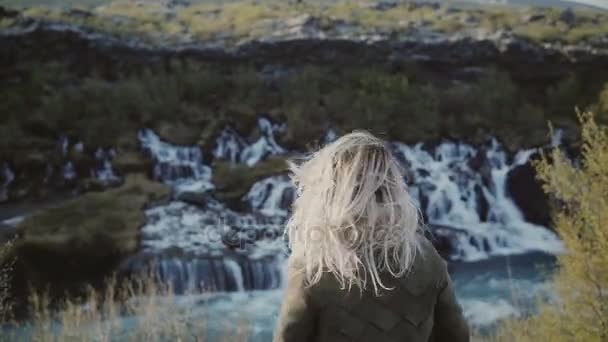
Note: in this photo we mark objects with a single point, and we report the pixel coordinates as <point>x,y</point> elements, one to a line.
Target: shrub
<point>580,310</point>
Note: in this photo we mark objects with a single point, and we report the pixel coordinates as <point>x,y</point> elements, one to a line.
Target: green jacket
<point>420,306</point>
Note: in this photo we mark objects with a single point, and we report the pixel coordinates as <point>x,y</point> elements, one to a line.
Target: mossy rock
<point>127,162</point>
<point>233,181</point>
<point>83,239</point>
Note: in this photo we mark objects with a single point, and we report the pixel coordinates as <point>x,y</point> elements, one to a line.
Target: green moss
<point>92,219</point>
<point>587,31</point>
<point>541,32</point>
<point>85,235</point>
<point>234,180</point>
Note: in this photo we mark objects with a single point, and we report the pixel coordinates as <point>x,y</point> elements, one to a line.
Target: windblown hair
<point>352,216</point>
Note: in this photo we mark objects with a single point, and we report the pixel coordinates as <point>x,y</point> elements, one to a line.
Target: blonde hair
<point>352,215</point>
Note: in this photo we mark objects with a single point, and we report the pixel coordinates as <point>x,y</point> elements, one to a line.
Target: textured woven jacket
<point>421,306</point>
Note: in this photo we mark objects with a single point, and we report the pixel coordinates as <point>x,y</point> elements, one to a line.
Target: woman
<point>359,269</point>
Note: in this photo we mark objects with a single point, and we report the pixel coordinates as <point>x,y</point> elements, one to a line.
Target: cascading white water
<point>104,171</point>
<point>271,196</point>
<point>457,186</point>
<point>231,146</point>
<point>451,192</point>
<point>182,238</point>
<point>68,171</point>
<point>179,166</point>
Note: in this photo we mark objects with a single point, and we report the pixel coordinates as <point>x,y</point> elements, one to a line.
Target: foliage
<point>190,102</point>
<point>580,310</point>
<point>601,107</point>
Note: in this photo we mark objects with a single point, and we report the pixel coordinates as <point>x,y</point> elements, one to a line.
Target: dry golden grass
<point>140,310</point>
<point>6,267</point>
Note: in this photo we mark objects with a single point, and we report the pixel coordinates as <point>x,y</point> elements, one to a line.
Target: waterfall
<point>231,146</point>
<point>192,274</point>
<point>237,272</point>
<point>457,185</point>
<point>68,171</point>
<point>460,189</point>
<point>104,172</point>
<point>271,196</point>
<point>211,247</point>
<point>179,166</point>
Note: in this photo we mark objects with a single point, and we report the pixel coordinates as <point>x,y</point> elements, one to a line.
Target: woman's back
<point>359,268</point>
<point>420,306</point>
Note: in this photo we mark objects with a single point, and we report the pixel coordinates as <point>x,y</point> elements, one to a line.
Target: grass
<point>84,238</point>
<point>134,310</point>
<point>7,263</point>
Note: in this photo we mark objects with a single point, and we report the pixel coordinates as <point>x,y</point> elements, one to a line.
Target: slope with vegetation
<point>161,22</point>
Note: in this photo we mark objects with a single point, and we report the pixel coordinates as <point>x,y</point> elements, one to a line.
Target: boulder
<point>233,181</point>
<point>8,13</point>
<point>445,239</point>
<point>80,13</point>
<point>193,197</point>
<point>126,162</point>
<point>567,16</point>
<point>384,5</point>
<point>530,18</point>
<point>528,195</point>
<point>481,165</point>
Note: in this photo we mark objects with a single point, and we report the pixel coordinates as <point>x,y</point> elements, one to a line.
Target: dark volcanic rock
<point>528,194</point>
<point>79,13</point>
<point>384,5</point>
<point>445,239</point>
<point>568,16</point>
<point>534,17</point>
<point>481,165</point>
<point>193,197</point>
<point>8,13</point>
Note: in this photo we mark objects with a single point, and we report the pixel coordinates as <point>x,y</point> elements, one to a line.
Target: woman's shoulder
<point>428,269</point>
